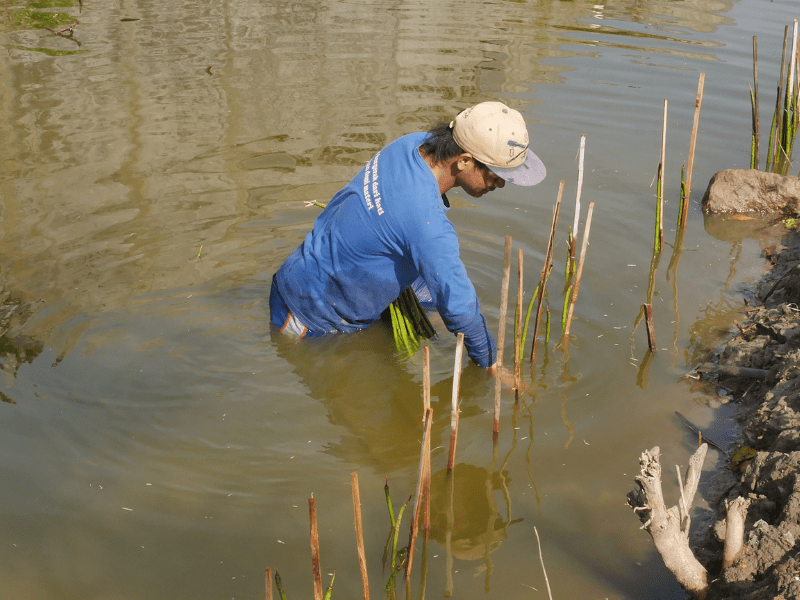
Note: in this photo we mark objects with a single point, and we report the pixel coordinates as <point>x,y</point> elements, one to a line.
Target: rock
<point>738,191</point>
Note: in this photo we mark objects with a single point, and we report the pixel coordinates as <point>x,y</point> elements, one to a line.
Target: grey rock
<point>742,191</point>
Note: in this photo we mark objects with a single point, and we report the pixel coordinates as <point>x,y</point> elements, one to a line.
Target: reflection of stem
<point>362,557</point>
<point>315,562</point>
<point>528,462</point>
<point>448,536</point>
<point>736,254</point>
<point>486,558</point>
<point>672,270</point>
<point>644,370</point>
<point>503,484</point>
<point>426,404</point>
<point>518,331</point>
<point>636,323</point>
<point>651,287</point>
<point>490,520</point>
<point>567,423</point>
<point>423,571</point>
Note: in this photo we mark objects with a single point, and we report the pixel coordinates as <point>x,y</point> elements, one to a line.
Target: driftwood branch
<point>733,371</point>
<point>669,527</point>
<point>734,529</point>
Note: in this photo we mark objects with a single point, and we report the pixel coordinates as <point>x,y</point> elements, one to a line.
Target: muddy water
<point>158,438</point>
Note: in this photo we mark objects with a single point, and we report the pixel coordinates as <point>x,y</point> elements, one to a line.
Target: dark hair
<point>441,146</point>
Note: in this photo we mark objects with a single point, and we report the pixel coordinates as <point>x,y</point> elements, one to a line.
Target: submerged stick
<point>692,144</point>
<point>268,583</point>
<point>501,335</point>
<point>312,511</point>
<point>734,371</point>
<point>548,261</point>
<point>362,557</point>
<point>454,407</point>
<point>412,541</point>
<point>577,285</point>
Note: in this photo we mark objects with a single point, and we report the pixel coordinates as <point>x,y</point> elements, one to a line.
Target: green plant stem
<point>683,196</point>
<point>528,314</point>
<point>570,267</point>
<point>770,162</point>
<point>389,502</point>
<point>329,591</point>
<point>279,585</point>
<point>567,299</point>
<point>659,229</point>
<point>395,327</point>
<point>395,568</point>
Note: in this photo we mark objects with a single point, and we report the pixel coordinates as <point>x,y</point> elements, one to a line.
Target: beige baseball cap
<point>496,135</point>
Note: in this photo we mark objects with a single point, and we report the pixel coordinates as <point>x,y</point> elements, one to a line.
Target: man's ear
<point>464,161</point>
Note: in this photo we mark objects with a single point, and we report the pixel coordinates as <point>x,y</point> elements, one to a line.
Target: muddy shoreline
<point>764,466</point>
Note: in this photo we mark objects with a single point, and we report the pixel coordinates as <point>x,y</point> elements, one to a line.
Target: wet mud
<point>765,466</point>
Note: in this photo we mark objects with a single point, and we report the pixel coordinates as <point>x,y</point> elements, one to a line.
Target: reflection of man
<point>387,230</point>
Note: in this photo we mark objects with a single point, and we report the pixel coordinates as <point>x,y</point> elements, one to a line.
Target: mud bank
<point>765,467</point>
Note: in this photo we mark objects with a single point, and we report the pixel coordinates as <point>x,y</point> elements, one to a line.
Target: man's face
<point>477,180</point>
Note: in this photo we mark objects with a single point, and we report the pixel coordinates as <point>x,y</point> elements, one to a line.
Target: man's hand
<point>506,376</point>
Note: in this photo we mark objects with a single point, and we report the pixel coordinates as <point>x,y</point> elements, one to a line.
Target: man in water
<point>387,230</point>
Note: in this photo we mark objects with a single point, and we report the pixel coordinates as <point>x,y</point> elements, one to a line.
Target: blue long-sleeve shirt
<point>377,235</point>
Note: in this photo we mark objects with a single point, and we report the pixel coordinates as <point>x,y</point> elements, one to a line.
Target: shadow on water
<point>373,397</point>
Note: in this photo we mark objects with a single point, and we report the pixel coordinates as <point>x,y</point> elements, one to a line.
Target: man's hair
<point>441,146</point>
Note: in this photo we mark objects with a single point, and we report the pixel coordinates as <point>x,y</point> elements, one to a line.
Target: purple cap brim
<point>531,172</point>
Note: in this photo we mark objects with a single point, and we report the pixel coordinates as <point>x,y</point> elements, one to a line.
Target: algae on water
<point>49,51</point>
<point>31,16</point>
<point>27,18</point>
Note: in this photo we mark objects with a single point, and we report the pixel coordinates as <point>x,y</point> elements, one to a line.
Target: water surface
<point>160,440</point>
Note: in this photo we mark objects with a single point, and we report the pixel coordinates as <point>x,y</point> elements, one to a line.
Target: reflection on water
<point>163,440</point>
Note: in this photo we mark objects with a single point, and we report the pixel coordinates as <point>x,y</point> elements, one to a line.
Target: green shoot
<point>329,591</point>
<point>280,586</point>
<point>567,298</point>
